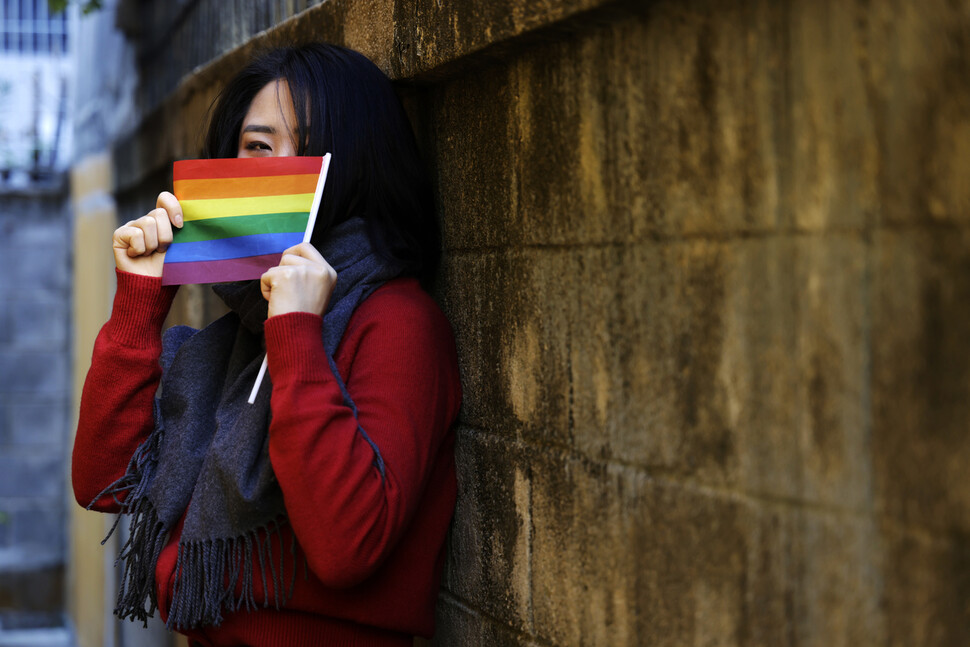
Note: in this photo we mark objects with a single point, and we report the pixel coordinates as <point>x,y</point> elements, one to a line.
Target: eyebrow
<point>259,128</point>
<point>256,128</point>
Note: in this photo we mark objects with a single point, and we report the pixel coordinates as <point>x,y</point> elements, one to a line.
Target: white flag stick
<point>317,195</point>
<point>259,380</point>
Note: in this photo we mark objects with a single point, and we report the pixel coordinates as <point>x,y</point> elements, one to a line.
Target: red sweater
<point>374,546</point>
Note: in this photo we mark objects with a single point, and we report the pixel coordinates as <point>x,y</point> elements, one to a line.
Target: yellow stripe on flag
<point>227,207</point>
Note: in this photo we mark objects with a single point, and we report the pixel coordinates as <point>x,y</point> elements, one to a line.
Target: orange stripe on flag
<point>240,187</point>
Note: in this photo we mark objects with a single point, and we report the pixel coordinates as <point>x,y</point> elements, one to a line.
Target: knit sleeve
<point>399,363</point>
<point>116,401</point>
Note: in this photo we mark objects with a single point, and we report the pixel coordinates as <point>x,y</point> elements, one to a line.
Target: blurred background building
<point>708,265</point>
<point>36,74</point>
<point>36,82</point>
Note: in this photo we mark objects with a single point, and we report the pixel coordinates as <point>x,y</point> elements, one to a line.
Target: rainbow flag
<point>240,214</point>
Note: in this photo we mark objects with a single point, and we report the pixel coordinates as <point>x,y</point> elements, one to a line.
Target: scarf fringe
<point>207,574</point>
<point>139,554</point>
<point>146,537</point>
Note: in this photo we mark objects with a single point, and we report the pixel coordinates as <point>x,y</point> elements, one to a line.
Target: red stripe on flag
<point>245,167</point>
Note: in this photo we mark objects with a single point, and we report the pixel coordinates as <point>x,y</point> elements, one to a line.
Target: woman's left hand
<point>302,282</point>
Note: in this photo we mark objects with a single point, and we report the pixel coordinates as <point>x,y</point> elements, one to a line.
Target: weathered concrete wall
<point>707,266</point>
<point>35,264</point>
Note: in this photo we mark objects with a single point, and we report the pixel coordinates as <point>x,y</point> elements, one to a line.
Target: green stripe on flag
<point>216,228</point>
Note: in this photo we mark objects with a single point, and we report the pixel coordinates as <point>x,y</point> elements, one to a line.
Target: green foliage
<point>57,6</point>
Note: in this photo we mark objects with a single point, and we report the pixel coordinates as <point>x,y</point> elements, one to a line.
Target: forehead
<point>272,105</point>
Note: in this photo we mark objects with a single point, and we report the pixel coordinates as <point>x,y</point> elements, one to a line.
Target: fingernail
<point>178,220</point>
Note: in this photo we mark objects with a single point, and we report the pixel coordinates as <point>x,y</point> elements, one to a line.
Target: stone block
<point>621,560</point>
<point>47,229</point>
<point>814,578</point>
<point>726,363</point>
<point>40,373</point>
<point>489,299</point>
<point>39,590</point>
<point>489,552</point>
<point>437,38</point>
<point>32,476</point>
<point>831,157</point>
<point>488,559</point>
<point>790,378</point>
<point>841,582</point>
<point>916,75</point>
<point>927,586</point>
<point>455,624</point>
<point>672,356</point>
<point>921,377</point>
<point>47,280</point>
<point>472,154</point>
<point>577,146</point>
<point>833,360</point>
<point>678,136</point>
<point>613,313</point>
<point>34,421</point>
<point>496,633</point>
<point>49,634</point>
<point>39,527</point>
<point>35,325</point>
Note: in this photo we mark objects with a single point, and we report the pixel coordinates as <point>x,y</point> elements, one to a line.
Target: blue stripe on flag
<point>237,247</point>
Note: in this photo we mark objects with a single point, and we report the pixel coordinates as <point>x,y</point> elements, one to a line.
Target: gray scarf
<point>208,455</point>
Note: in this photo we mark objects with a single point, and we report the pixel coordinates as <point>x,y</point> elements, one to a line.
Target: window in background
<point>27,27</point>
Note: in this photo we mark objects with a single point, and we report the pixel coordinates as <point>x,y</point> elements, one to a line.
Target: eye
<point>258,146</point>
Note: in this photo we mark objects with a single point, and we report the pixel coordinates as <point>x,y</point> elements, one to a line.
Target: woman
<point>316,515</point>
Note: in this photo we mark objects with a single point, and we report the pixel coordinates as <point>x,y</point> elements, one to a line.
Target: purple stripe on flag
<point>233,269</point>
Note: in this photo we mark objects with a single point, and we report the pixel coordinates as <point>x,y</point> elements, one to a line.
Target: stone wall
<point>707,264</point>
<point>35,265</point>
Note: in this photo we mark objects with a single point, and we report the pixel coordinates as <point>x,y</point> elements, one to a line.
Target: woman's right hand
<point>139,245</point>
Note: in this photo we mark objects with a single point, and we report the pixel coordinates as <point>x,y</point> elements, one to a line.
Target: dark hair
<point>347,107</point>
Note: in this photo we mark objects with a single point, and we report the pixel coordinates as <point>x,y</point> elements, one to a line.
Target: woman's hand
<point>302,282</point>
<point>139,245</point>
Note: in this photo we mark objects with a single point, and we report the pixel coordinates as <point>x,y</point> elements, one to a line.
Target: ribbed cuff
<point>140,306</point>
<point>294,344</point>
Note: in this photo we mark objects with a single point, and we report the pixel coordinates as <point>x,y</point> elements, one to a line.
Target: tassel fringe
<point>207,573</point>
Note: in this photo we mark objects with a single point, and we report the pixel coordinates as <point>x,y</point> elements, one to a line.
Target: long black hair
<point>347,107</point>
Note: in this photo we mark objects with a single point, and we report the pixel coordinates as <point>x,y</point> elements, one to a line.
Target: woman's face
<point>269,128</point>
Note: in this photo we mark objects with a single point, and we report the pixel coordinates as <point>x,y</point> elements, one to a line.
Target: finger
<point>163,228</point>
<point>131,239</point>
<point>172,207</point>
<point>293,259</point>
<point>305,250</point>
<point>268,281</point>
<point>149,228</point>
